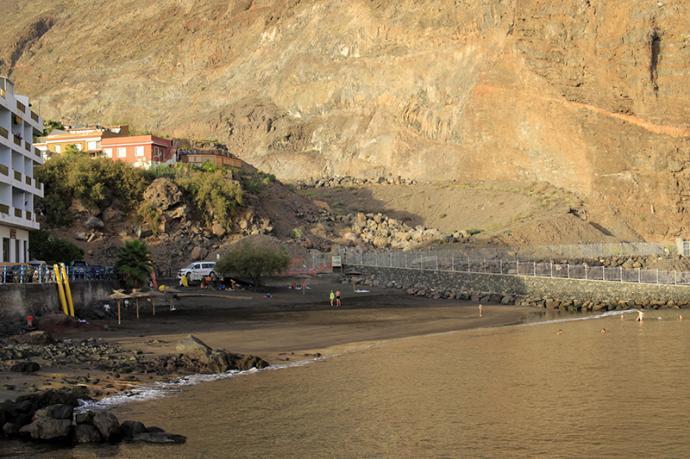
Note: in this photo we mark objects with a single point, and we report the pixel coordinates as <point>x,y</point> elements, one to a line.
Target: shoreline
<point>288,327</point>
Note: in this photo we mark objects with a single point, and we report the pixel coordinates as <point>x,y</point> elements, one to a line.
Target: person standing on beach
<point>337,299</point>
<point>481,310</point>
<point>331,297</point>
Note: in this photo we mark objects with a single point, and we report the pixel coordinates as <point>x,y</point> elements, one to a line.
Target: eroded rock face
<point>163,193</point>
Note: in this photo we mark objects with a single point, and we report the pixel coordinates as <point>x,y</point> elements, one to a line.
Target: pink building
<point>140,150</point>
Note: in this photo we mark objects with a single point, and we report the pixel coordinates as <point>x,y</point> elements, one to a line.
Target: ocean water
<point>518,391</point>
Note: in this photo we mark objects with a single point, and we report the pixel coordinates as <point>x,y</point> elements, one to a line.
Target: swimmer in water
<point>640,316</point>
<point>680,316</point>
<point>603,331</point>
<point>560,331</point>
<point>481,310</point>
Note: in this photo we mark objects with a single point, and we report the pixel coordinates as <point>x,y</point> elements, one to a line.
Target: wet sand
<point>283,328</point>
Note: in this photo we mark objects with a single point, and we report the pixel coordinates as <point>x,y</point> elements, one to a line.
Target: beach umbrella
<point>118,296</point>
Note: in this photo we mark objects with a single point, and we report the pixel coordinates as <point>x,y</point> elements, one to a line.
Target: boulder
<point>94,223</point>
<point>159,437</point>
<point>163,193</point>
<point>85,417</point>
<point>86,433</point>
<point>218,230</point>
<point>59,411</point>
<point>35,337</point>
<point>10,428</point>
<point>198,253</point>
<point>107,424</point>
<point>48,429</point>
<point>131,428</point>
<point>25,367</point>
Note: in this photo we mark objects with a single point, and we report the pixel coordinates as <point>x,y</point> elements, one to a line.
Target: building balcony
<point>17,217</point>
<point>18,175</point>
<point>4,170</point>
<point>27,179</point>
<point>27,145</point>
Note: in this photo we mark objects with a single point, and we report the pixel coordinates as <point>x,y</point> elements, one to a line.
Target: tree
<point>134,263</point>
<point>253,260</point>
<point>44,246</point>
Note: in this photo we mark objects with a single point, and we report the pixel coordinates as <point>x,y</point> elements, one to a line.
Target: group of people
<point>334,298</point>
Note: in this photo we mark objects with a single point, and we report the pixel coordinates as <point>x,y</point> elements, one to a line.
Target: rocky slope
<point>589,95</point>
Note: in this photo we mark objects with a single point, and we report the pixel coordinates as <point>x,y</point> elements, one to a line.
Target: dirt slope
<point>591,96</point>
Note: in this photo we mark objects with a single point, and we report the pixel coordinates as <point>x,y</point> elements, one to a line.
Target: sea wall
<point>545,292</point>
<point>18,300</point>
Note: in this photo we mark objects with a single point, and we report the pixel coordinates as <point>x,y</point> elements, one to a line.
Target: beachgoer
<point>204,282</point>
<point>480,310</point>
<point>337,298</point>
<point>184,281</point>
<point>331,297</point>
<point>560,331</point>
<point>640,316</point>
<point>603,331</point>
<point>304,286</point>
<point>680,316</point>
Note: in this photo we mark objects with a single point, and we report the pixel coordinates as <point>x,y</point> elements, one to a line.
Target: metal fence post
<point>621,273</point>
<point>452,262</point>
<point>603,273</point>
<point>585,271</point>
<point>551,267</point>
<point>468,264</point>
<point>534,268</point>
<point>517,267</point>
<point>390,259</point>
<point>657,275</point>
<point>405,259</point>
<point>568,269</point>
<point>675,281</point>
<point>421,265</point>
<point>436,256</point>
<point>639,276</point>
<point>500,266</point>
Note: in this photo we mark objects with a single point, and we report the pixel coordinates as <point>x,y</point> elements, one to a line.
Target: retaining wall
<point>537,291</point>
<point>18,300</point>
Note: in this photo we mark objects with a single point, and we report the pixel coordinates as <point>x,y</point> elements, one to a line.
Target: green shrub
<point>44,246</point>
<point>253,260</point>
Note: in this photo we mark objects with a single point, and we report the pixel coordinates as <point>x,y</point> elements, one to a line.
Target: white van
<point>197,270</point>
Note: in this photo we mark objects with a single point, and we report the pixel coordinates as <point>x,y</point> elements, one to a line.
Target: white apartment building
<point>18,158</point>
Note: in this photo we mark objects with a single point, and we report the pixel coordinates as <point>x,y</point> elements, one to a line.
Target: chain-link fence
<point>597,250</point>
<point>454,262</point>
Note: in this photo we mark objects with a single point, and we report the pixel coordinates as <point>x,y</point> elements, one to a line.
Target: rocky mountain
<point>589,95</point>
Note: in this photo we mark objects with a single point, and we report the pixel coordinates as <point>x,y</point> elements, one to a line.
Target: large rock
<point>131,428</point>
<point>59,411</point>
<point>218,230</point>
<point>198,253</point>
<point>107,424</point>
<point>48,429</point>
<point>86,433</point>
<point>25,367</point>
<point>94,223</point>
<point>159,437</point>
<point>163,194</point>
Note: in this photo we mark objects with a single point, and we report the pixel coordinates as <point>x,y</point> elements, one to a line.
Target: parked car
<point>197,270</point>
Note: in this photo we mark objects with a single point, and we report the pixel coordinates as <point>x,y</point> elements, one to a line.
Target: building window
<point>93,145</point>
<point>58,148</point>
<point>108,152</point>
<point>6,249</point>
<point>139,150</point>
<point>121,152</point>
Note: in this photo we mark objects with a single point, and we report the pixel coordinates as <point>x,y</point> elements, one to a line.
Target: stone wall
<point>551,293</point>
<point>16,301</point>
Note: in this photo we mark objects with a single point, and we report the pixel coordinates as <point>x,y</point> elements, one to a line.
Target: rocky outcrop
<point>37,417</point>
<point>195,355</point>
<point>349,181</point>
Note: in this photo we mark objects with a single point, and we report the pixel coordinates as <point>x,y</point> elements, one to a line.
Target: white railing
<point>452,262</point>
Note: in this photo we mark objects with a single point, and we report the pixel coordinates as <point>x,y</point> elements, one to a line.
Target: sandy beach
<point>286,327</point>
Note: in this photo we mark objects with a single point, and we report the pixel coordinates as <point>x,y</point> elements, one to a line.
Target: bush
<point>256,182</point>
<point>213,191</point>
<point>253,261</point>
<point>134,263</point>
<point>46,247</point>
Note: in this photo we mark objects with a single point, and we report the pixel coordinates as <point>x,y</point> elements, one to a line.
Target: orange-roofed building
<point>140,150</point>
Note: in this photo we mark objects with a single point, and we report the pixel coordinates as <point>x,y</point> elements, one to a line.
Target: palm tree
<point>134,263</point>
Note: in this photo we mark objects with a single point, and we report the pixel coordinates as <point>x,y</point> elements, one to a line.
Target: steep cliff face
<point>590,95</point>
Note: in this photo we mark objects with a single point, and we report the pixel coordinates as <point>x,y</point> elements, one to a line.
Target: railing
<point>27,179</point>
<point>27,145</point>
<point>29,215</point>
<point>18,213</point>
<point>18,175</point>
<point>21,107</point>
<point>4,209</point>
<point>445,262</point>
<point>24,273</point>
<point>4,170</point>
<point>4,132</point>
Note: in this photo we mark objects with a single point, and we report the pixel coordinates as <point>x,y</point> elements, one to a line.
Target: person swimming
<point>560,331</point>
